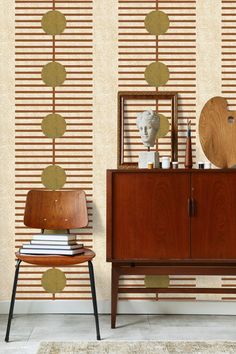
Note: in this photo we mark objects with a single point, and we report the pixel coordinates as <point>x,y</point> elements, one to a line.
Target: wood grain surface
<point>213,228</point>
<point>56,210</point>
<point>56,260</point>
<point>217,130</point>
<point>178,222</point>
<point>148,220</point>
<point>182,215</point>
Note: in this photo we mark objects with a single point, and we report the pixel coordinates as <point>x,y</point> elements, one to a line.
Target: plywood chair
<point>55,210</point>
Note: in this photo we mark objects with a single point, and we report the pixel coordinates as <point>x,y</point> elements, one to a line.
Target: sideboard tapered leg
<point>114,294</point>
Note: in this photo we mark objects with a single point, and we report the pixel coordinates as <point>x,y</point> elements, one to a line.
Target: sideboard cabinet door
<point>150,218</point>
<point>213,227</point>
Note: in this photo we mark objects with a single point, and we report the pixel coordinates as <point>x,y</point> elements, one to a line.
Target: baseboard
<point>124,307</point>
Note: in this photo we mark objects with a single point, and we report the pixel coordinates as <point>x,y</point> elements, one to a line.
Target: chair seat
<point>56,260</point>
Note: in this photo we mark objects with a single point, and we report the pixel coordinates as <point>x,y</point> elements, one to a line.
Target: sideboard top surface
<point>182,170</point>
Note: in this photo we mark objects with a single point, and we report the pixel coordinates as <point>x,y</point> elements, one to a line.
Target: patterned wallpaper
<point>79,100</point>
<point>228,77</point>
<point>54,131</point>
<point>176,49</point>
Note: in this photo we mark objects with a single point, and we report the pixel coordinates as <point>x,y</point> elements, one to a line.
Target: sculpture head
<point>148,123</point>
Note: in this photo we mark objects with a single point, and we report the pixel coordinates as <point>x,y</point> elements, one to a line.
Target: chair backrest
<point>56,210</point>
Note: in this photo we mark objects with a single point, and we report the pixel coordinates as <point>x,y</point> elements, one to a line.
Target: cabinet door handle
<point>193,207</point>
<point>189,206</point>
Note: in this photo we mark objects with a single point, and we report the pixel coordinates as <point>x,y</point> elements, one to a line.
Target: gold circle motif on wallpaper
<point>53,74</point>
<point>164,126</point>
<point>157,22</point>
<point>157,281</point>
<point>53,177</point>
<point>156,74</point>
<point>53,281</point>
<point>53,126</point>
<point>53,22</point>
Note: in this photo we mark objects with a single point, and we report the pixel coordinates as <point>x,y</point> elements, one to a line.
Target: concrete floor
<point>29,330</point>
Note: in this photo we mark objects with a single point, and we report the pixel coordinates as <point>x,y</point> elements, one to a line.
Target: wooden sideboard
<point>170,222</point>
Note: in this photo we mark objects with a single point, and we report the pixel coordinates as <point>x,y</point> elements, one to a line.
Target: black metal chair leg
<point>13,296</point>
<point>92,283</point>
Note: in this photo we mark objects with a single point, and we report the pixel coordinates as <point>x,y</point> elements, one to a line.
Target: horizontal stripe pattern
<point>228,76</point>
<point>73,100</point>
<point>176,49</point>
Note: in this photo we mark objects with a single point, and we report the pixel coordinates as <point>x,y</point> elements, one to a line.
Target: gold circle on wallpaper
<point>157,74</point>
<point>53,177</point>
<point>157,22</point>
<point>156,281</point>
<point>53,126</point>
<point>53,74</point>
<point>164,126</point>
<point>53,281</point>
<point>53,22</point>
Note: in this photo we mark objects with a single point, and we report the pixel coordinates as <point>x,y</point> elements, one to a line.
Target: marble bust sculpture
<point>148,123</point>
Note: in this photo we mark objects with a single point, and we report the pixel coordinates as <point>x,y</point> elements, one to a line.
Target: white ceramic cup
<point>165,162</point>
